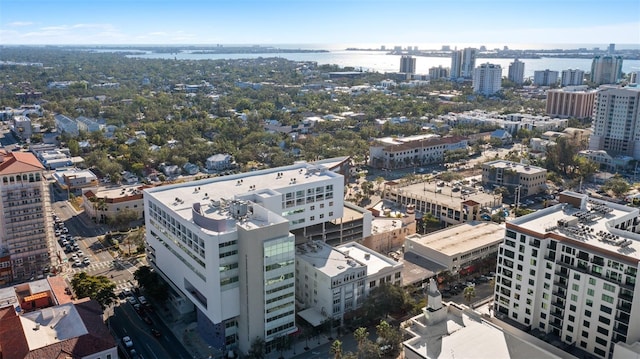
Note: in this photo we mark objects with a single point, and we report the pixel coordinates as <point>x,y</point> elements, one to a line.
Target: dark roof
<point>13,343</point>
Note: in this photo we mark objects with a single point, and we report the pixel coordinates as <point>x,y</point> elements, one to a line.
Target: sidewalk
<point>298,349</point>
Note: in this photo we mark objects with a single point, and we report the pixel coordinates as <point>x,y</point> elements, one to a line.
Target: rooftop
<point>586,222</point>
<point>445,195</point>
<point>374,261</point>
<point>18,162</point>
<point>328,260</point>
<point>51,325</point>
<point>515,166</point>
<point>461,238</point>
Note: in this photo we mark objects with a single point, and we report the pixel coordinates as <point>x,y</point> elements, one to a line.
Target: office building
<point>459,249</point>
<point>571,101</point>
<point>224,245</point>
<point>606,69</point>
<point>439,72</point>
<point>612,49</point>
<point>103,204</point>
<point>516,72</point>
<point>412,151</point>
<point>615,121</point>
<point>332,282</point>
<point>572,77</point>
<point>463,62</point>
<point>634,77</point>
<point>407,64</point>
<point>501,173</point>
<point>570,271</point>
<point>26,227</point>
<point>487,79</point>
<point>545,78</point>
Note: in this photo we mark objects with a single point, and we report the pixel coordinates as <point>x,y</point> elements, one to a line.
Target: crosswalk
<point>93,267</point>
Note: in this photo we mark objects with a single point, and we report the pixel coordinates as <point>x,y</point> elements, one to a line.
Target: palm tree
<point>360,336</point>
<point>336,349</point>
<point>469,293</point>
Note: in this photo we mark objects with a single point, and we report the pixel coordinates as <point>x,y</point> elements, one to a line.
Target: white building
<point>450,330</point>
<point>224,245</point>
<point>572,77</point>
<point>462,63</point>
<point>332,282</point>
<point>570,270</point>
<point>412,151</point>
<point>66,125</point>
<point>545,77</point>
<point>615,121</point>
<point>100,204</point>
<point>487,79</point>
<point>21,126</point>
<point>606,69</point>
<point>407,64</point>
<point>516,72</point>
<point>88,124</point>
<point>219,162</point>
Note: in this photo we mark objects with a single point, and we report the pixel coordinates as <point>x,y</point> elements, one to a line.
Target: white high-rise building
<point>572,77</point>
<point>570,270</point>
<point>487,79</point>
<point>27,243</point>
<point>407,64</point>
<point>463,63</point>
<point>516,72</point>
<point>224,245</point>
<point>615,121</point>
<point>545,78</point>
<point>606,69</point>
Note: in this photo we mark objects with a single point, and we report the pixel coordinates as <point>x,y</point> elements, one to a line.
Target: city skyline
<point>74,22</point>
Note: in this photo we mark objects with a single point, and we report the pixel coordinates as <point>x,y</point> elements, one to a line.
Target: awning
<point>36,296</point>
<point>312,316</point>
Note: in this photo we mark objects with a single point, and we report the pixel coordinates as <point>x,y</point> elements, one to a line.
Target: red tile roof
<point>13,343</point>
<point>19,162</point>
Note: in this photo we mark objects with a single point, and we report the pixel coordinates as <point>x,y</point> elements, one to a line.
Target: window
<point>575,287</point>
<point>585,334</point>
<point>607,299</point>
<point>604,308</point>
<point>602,330</point>
<point>609,287</point>
<point>587,313</point>
<point>590,292</point>
<point>585,324</point>
<point>574,298</point>
<point>592,281</point>
<point>604,320</point>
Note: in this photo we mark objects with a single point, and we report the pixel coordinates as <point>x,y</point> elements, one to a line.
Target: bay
<point>379,61</point>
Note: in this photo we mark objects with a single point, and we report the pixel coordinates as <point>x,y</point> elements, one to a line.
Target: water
<point>381,62</point>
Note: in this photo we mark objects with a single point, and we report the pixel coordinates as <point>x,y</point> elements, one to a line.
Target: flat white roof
<point>401,140</point>
<point>374,261</point>
<point>461,238</point>
<point>54,324</point>
<point>326,259</point>
<point>265,183</point>
<point>515,166</point>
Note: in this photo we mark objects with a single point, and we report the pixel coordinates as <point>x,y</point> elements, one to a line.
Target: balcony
<point>622,318</point>
<point>561,283</point>
<point>556,324</point>
<point>557,314</point>
<point>562,274</point>
<point>621,329</point>
<point>560,293</point>
<point>558,303</point>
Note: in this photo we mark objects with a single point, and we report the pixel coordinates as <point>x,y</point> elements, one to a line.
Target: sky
<point>375,22</point>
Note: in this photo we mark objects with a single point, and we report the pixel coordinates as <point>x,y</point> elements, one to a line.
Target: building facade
<point>487,79</point>
<point>570,270</point>
<point>545,77</point>
<point>529,179</point>
<point>439,72</point>
<point>413,152</point>
<point>516,72</point>
<point>407,64</point>
<point>572,77</point>
<point>224,244</point>
<point>26,227</point>
<point>615,121</point>
<point>606,69</point>
<point>463,62</point>
<point>571,101</point>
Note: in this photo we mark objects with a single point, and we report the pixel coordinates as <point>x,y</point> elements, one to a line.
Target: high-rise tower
<point>516,72</point>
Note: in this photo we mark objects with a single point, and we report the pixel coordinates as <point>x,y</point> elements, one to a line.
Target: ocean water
<point>379,61</point>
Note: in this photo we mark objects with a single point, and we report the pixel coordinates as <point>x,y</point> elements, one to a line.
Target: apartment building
<point>407,64</point>
<point>606,69</point>
<point>487,79</point>
<point>571,101</point>
<point>332,282</point>
<point>615,121</point>
<point>439,72</point>
<point>530,179</point>
<point>545,77</point>
<point>26,231</point>
<point>572,77</point>
<point>462,63</point>
<point>570,270</point>
<point>516,72</point>
<point>102,204</point>
<point>224,245</point>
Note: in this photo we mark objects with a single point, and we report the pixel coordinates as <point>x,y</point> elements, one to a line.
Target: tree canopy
<point>98,288</point>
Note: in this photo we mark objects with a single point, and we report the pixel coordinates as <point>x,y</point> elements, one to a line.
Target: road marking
<point>151,351</point>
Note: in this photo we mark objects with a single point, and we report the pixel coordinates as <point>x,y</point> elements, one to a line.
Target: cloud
<point>20,23</point>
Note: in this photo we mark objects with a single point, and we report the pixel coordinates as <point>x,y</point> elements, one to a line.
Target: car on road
<point>86,261</point>
<point>156,333</point>
<point>132,300</point>
<point>128,343</point>
<point>138,308</point>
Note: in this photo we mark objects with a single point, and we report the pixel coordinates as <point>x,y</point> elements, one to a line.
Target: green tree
<point>123,219</point>
<point>616,185</point>
<point>360,335</point>
<point>74,147</point>
<point>98,288</point>
<point>469,293</point>
<point>256,350</point>
<point>336,349</point>
<point>152,284</point>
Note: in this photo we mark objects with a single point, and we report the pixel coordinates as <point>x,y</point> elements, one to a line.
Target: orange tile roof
<point>19,162</point>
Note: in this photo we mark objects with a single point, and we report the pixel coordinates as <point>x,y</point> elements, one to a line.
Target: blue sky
<point>375,22</point>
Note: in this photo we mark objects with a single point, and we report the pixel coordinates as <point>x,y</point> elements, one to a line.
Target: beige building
<point>457,248</point>
<point>530,179</point>
<point>412,151</point>
<point>107,203</point>
<point>572,101</point>
<point>389,227</point>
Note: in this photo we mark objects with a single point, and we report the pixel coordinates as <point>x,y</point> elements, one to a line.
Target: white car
<point>86,261</point>
<point>80,254</point>
<point>127,342</point>
<point>74,256</point>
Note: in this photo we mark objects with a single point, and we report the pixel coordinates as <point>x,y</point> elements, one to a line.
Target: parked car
<point>86,261</point>
<point>156,333</point>
<point>128,343</point>
<point>132,300</point>
<point>77,263</point>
